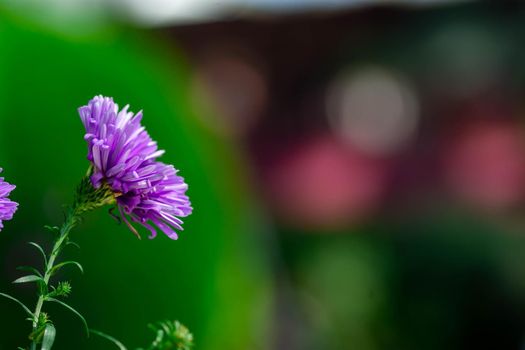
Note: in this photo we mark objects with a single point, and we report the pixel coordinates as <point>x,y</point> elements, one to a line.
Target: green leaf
<point>58,266</point>
<point>110,338</point>
<point>72,310</point>
<point>52,228</point>
<point>29,278</point>
<point>49,337</point>
<point>19,303</point>
<point>73,244</point>
<point>41,251</point>
<point>37,335</point>
<point>30,269</point>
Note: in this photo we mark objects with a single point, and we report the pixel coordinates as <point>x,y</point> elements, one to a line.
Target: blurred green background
<point>210,282</point>
<point>357,173</point>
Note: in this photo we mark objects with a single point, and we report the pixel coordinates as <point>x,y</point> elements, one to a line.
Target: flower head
<point>117,143</point>
<point>123,157</point>
<point>7,206</point>
<point>162,202</point>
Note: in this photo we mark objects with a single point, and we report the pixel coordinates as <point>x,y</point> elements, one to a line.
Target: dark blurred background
<point>357,169</point>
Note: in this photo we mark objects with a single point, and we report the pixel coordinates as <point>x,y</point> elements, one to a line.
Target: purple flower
<point>117,144</point>
<point>162,203</point>
<point>123,156</point>
<point>7,206</point>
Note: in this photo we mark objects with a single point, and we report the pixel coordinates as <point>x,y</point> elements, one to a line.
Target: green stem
<point>86,198</point>
<point>69,223</point>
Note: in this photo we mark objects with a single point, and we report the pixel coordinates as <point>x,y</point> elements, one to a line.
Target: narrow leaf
<point>110,338</point>
<point>52,228</point>
<point>28,278</point>
<point>49,337</point>
<point>41,251</point>
<point>73,244</point>
<point>19,303</point>
<point>58,266</point>
<point>73,311</point>
<point>30,269</point>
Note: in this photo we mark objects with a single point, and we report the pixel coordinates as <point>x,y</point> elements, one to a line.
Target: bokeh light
<point>234,89</point>
<point>374,109</point>
<point>323,184</point>
<point>485,164</point>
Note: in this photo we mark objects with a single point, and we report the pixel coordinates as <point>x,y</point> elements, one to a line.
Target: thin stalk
<point>86,198</point>
<point>70,222</point>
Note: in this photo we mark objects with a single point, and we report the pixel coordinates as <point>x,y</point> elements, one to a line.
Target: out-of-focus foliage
<point>171,335</point>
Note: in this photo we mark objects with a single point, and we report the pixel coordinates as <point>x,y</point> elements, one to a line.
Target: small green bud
<point>182,336</point>
<point>62,290</point>
<point>43,319</point>
<point>171,336</point>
